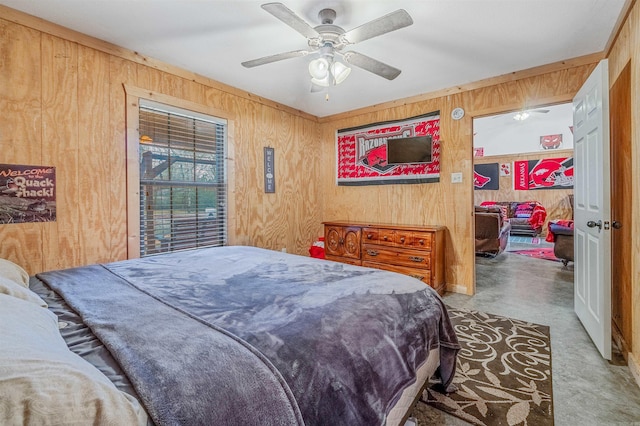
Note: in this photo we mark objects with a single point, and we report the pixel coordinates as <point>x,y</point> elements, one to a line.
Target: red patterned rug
<point>539,253</point>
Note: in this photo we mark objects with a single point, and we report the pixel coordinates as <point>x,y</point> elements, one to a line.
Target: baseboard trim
<point>457,288</point>
<point>634,366</point>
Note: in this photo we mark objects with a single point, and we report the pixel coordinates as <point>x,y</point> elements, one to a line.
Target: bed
<point>226,335</point>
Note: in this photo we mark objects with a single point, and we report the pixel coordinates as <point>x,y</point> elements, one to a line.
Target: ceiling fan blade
<point>287,16</point>
<point>274,58</point>
<point>385,24</point>
<point>371,65</point>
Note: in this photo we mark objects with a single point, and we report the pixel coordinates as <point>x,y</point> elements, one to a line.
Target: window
<point>182,179</point>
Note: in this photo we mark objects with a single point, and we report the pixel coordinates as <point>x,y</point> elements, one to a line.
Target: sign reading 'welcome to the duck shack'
<point>27,193</point>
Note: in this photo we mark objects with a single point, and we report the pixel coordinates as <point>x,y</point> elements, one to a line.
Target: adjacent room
<point>319,212</point>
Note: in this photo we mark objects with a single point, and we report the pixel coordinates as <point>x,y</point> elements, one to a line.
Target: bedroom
<point>64,104</point>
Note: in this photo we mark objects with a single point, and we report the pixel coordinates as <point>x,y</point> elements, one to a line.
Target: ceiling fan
<point>327,41</point>
<point>526,113</point>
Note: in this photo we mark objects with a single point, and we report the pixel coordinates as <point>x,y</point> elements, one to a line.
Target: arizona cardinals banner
<point>362,152</point>
<point>486,176</point>
<point>548,173</point>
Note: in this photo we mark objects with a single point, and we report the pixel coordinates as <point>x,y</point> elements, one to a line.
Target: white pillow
<point>43,382</point>
<point>14,272</point>
<point>12,288</point>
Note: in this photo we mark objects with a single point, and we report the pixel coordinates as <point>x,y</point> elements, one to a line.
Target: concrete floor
<point>587,390</point>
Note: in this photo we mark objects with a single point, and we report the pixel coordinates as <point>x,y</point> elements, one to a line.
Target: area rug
<point>545,253</point>
<point>524,240</point>
<point>503,373</point>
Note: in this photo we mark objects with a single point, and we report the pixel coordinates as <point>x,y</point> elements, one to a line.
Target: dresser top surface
<point>386,225</point>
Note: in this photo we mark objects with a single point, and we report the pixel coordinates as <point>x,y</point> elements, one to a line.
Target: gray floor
<point>587,390</point>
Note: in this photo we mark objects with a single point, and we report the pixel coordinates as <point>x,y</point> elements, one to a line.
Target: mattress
<point>239,265</point>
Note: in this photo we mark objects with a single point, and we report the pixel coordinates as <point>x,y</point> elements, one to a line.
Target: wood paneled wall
<point>442,203</point>
<point>555,201</point>
<point>626,49</point>
<point>63,104</point>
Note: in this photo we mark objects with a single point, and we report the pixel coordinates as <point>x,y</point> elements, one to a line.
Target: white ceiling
<point>452,42</point>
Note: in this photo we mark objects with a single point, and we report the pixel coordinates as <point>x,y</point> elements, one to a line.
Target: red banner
<point>548,173</point>
<point>362,152</point>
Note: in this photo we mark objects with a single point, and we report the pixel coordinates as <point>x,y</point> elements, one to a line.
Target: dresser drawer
<point>382,236</point>
<point>423,240</point>
<point>412,258</point>
<point>370,235</point>
<point>397,238</point>
<point>423,275</point>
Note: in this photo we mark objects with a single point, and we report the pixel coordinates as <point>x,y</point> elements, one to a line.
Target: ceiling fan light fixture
<point>319,69</point>
<point>324,82</point>
<point>340,71</point>
<point>324,72</point>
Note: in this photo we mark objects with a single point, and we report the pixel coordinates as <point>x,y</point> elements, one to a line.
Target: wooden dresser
<point>417,251</point>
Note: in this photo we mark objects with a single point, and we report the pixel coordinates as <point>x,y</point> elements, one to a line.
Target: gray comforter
<point>240,335</point>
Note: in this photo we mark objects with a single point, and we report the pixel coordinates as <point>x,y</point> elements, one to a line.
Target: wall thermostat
<point>457,113</point>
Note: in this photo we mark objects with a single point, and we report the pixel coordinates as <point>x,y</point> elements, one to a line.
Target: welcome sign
<point>362,152</point>
<point>27,193</point>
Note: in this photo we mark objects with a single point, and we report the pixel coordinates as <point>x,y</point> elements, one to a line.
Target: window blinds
<point>183,191</point>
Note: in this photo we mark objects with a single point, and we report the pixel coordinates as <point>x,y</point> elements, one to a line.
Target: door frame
<point>503,109</point>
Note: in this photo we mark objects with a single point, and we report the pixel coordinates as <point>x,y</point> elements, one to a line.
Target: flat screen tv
<point>415,149</point>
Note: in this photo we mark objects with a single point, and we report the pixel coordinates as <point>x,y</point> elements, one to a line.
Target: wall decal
<point>548,173</point>
<point>485,176</point>
<point>505,169</point>
<point>27,193</point>
<point>551,141</point>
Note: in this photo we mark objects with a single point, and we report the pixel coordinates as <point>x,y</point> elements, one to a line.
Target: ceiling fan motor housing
<point>327,16</point>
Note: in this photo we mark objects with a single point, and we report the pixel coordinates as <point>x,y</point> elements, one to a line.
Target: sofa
<point>492,231</point>
<point>525,217</point>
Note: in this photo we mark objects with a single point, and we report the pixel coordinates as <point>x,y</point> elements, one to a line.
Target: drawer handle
<point>369,236</point>
<point>421,242</point>
<point>420,277</point>
<point>384,238</point>
<point>416,259</point>
<point>372,253</point>
<point>402,240</point>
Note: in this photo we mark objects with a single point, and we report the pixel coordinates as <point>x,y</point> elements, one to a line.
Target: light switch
<point>456,177</point>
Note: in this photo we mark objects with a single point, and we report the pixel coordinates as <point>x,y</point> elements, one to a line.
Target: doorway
<point>523,160</point>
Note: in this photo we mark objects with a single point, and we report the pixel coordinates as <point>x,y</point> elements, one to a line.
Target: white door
<point>592,235</point>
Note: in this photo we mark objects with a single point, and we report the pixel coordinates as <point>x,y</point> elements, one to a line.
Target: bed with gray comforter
<point>241,335</point>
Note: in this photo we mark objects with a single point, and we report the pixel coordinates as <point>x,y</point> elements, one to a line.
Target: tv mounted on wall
<point>415,149</point>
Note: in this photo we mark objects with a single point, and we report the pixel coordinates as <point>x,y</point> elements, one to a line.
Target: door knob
<point>592,224</point>
<point>616,224</point>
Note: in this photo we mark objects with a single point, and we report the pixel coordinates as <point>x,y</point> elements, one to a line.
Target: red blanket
<point>538,216</point>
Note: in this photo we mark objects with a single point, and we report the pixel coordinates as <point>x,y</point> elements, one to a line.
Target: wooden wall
<point>626,49</point>
<point>555,201</point>
<point>63,104</point>
<point>442,203</point>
